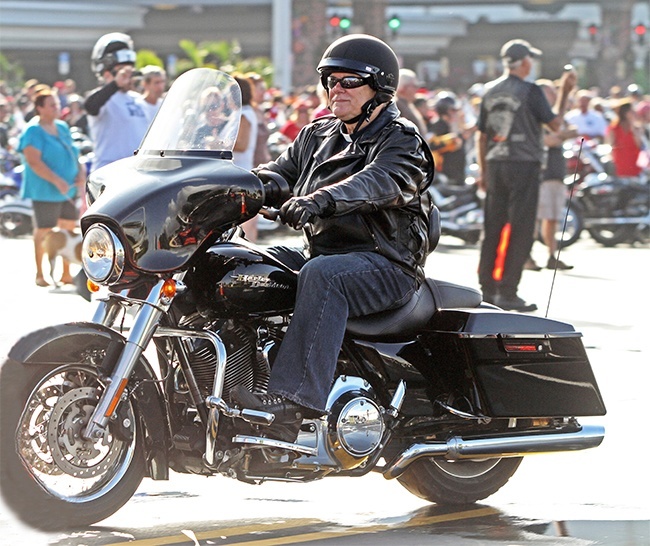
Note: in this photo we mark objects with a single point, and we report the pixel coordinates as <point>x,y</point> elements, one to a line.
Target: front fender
<point>64,343</point>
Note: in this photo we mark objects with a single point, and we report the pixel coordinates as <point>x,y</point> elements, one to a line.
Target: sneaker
<point>288,414</point>
<point>515,303</point>
<point>554,263</point>
<point>530,265</point>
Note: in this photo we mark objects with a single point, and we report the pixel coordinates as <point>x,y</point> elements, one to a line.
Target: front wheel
<point>569,229</point>
<point>457,482</point>
<point>52,477</point>
<point>15,224</point>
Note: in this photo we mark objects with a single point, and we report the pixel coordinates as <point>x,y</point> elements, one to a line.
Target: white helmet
<point>110,50</point>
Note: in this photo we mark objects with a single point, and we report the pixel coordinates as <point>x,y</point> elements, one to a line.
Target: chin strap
<point>366,111</point>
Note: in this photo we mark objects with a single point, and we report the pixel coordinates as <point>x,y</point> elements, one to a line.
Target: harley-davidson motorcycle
<point>445,394</point>
<point>460,207</point>
<point>611,208</point>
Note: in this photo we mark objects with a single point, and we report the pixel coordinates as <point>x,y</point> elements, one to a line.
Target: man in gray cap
<point>510,152</point>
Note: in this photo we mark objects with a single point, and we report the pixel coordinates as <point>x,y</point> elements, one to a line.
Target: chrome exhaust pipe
<point>457,448</point>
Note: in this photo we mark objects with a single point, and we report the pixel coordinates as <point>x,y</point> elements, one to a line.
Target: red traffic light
<point>335,21</point>
<point>593,29</point>
<point>640,29</point>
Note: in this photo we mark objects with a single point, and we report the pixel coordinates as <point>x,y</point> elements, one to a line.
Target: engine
<point>358,427</point>
<point>246,366</point>
<point>353,430</point>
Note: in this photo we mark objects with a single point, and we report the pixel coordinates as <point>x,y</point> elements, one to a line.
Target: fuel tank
<point>235,279</point>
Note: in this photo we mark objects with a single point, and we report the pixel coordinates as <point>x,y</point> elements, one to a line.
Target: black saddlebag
<point>523,365</point>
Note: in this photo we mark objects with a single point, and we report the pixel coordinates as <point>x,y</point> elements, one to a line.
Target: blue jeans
<point>330,289</point>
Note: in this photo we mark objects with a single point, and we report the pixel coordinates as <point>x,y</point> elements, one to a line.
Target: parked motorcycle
<point>16,215</point>
<point>449,392</point>
<point>461,209</point>
<point>612,209</point>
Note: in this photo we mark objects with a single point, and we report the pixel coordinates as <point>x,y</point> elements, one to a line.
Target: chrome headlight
<point>102,255</point>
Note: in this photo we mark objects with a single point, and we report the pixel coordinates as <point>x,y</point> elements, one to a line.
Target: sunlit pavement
<point>592,497</point>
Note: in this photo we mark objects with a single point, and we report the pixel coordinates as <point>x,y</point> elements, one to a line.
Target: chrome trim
<point>510,446</point>
<point>618,221</point>
<point>464,414</point>
<point>269,442</point>
<point>398,399</point>
<point>554,335</point>
<point>144,325</point>
<point>214,402</point>
<point>119,257</point>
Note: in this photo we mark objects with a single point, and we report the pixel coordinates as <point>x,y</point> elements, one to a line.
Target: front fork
<point>145,323</point>
<point>145,326</point>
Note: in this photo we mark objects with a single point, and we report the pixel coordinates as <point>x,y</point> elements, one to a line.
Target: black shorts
<point>47,214</point>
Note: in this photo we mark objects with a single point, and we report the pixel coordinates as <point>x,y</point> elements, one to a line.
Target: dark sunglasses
<point>347,82</point>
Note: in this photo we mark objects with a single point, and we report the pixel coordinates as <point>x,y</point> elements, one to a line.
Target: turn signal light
<point>169,288</point>
<point>92,287</point>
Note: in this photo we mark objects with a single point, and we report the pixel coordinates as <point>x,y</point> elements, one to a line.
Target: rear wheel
<point>457,482</point>
<point>52,477</point>
<point>614,234</point>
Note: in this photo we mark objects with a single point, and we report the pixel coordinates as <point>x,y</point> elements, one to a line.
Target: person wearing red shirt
<point>624,134</point>
<point>300,117</point>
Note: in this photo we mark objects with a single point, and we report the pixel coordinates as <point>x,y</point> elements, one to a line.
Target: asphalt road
<point>592,497</point>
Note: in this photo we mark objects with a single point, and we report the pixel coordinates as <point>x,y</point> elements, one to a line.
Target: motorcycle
<point>461,209</point>
<point>16,216</point>
<point>445,394</point>
<point>612,209</point>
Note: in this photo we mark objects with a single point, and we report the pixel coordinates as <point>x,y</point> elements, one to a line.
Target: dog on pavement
<point>60,242</point>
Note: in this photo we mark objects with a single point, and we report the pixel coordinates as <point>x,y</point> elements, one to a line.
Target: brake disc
<point>71,452</point>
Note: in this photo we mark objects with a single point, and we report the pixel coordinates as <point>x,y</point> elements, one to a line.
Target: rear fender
<point>63,343</point>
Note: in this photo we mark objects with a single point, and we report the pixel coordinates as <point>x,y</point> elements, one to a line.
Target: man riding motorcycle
<point>357,179</point>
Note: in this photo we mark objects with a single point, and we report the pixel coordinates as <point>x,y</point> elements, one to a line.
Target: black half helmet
<point>364,55</point>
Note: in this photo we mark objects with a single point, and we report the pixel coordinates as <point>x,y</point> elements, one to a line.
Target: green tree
<point>11,73</point>
<point>226,56</point>
<point>146,57</point>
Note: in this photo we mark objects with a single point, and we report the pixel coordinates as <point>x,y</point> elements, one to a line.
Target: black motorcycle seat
<point>414,315</point>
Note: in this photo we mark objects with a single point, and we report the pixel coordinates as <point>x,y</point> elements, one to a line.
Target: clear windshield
<point>200,112</point>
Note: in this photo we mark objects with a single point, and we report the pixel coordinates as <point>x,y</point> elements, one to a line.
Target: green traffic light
<point>345,23</point>
<point>394,22</point>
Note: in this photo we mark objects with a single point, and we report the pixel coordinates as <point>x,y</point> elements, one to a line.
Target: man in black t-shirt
<point>510,151</point>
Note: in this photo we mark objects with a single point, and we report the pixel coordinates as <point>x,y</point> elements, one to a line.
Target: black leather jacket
<point>376,182</point>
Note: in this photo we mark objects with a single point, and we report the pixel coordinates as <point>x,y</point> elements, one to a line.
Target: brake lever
<point>269,214</point>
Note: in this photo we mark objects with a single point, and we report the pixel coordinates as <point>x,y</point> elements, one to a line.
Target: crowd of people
<point>459,128</point>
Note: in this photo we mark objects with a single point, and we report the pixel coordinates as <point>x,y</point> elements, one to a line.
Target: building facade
<point>448,42</point>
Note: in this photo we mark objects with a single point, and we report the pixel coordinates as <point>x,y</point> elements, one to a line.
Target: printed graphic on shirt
<point>135,110</point>
<point>501,111</point>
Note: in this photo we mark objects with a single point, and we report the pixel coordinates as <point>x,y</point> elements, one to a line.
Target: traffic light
<point>393,24</point>
<point>344,23</point>
<point>640,30</point>
<point>593,31</point>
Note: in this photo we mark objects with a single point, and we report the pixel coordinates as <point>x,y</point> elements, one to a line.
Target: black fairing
<point>165,207</point>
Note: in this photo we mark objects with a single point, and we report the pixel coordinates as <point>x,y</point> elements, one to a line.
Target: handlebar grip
<point>276,188</point>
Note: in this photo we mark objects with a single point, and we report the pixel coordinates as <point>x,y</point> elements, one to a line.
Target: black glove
<point>299,211</point>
